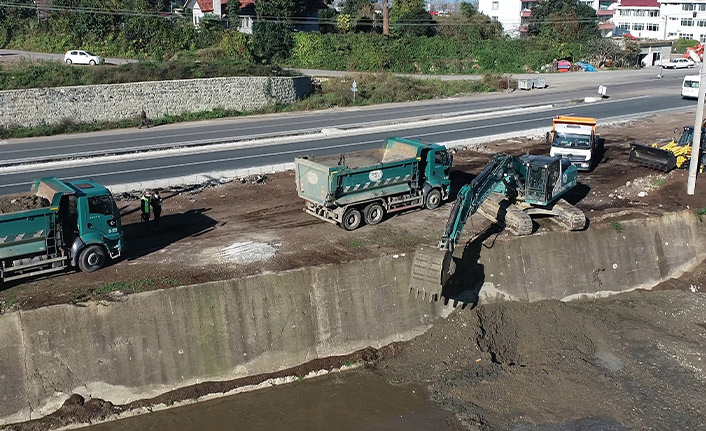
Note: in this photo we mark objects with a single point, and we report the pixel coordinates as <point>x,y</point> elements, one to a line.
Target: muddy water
<point>351,401</point>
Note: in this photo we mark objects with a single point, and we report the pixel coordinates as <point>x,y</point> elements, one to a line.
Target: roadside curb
<point>200,178</point>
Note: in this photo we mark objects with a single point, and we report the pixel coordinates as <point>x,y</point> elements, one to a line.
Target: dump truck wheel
<point>351,219</point>
<point>92,258</point>
<point>433,199</point>
<point>374,214</point>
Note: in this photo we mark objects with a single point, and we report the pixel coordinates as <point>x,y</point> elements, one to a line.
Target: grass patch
<point>356,243</point>
<point>700,213</point>
<point>125,286</point>
<point>658,181</point>
<point>11,301</point>
<point>54,74</point>
<point>617,226</point>
<point>388,88</point>
<point>170,281</point>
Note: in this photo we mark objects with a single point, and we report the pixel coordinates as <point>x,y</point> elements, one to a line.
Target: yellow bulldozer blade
<point>662,159</point>
<point>431,269</point>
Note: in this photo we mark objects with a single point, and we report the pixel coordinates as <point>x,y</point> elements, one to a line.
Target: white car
<point>679,63</point>
<point>76,56</point>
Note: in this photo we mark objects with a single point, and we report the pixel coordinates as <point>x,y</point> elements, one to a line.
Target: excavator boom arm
<point>472,195</point>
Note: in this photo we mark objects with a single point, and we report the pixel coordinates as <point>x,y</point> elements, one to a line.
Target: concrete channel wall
<point>114,102</point>
<point>157,341</point>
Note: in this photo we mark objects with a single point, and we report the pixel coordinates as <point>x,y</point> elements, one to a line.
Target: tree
<point>564,20</point>
<point>410,18</point>
<point>272,40</point>
<point>470,25</point>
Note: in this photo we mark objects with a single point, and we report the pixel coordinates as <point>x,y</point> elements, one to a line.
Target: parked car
<point>77,56</point>
<point>679,63</point>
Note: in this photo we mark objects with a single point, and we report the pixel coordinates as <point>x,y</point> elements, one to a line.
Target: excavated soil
<point>22,202</point>
<point>221,231</point>
<point>631,362</point>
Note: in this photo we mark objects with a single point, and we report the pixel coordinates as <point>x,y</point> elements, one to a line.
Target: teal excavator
<point>508,191</point>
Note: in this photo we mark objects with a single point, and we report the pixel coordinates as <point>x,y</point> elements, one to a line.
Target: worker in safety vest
<point>145,208</point>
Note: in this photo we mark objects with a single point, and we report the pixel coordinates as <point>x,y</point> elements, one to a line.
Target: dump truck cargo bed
<point>346,178</point>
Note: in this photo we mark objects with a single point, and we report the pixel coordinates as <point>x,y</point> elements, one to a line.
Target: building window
<point>654,13</point>
<point>687,22</point>
<point>496,5</point>
<point>624,26</point>
<point>494,18</point>
<point>638,26</point>
<point>652,27</point>
<point>626,12</point>
<point>603,5</point>
<point>686,35</point>
<point>702,7</point>
<point>639,12</point>
<point>527,5</point>
<point>687,6</point>
<point>701,23</point>
<point>702,38</point>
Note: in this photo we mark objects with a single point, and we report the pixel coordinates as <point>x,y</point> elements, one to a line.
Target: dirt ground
<point>634,361</point>
<point>239,228</point>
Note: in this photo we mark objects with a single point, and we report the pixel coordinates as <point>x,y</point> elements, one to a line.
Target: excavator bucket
<point>652,157</point>
<point>431,268</point>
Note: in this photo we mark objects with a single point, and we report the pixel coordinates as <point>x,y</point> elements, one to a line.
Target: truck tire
<point>351,219</point>
<point>373,214</point>
<point>433,199</point>
<point>92,258</point>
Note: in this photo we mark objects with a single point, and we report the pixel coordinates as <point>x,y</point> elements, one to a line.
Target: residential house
<point>199,9</point>
<point>683,19</point>
<point>247,14</point>
<point>640,18</point>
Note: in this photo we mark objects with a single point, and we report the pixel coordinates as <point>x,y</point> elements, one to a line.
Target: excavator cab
<point>546,178</point>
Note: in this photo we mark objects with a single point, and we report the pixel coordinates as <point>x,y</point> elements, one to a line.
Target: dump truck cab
<point>79,226</point>
<point>574,138</point>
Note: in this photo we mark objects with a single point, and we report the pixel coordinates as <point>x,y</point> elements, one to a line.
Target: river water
<point>351,401</point>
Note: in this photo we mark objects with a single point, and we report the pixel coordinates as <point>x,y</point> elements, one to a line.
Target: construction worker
<point>143,119</point>
<point>145,208</point>
<point>156,204</point>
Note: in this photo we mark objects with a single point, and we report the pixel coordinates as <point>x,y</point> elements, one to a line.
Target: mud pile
<point>12,203</point>
<point>629,362</point>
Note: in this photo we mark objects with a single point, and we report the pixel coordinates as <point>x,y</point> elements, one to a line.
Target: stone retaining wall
<point>113,102</point>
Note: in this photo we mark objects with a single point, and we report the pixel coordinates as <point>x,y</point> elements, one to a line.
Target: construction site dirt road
<point>222,231</point>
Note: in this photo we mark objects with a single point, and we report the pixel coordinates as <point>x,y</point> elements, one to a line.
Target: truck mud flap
<point>651,157</point>
<point>431,268</point>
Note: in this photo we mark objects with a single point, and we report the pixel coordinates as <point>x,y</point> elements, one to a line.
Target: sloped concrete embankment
<point>157,341</point>
<point>161,340</point>
<point>599,261</point>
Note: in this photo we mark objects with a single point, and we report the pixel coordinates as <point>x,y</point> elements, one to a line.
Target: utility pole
<point>696,143</point>
<point>385,18</point>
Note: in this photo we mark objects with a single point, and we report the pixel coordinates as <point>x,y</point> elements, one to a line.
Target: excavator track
<point>499,210</point>
<point>568,216</point>
<point>431,268</point>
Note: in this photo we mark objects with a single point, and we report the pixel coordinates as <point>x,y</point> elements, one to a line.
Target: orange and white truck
<point>575,138</point>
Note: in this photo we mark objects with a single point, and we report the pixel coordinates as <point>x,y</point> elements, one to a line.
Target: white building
<point>506,12</point>
<point>640,18</point>
<point>683,19</point>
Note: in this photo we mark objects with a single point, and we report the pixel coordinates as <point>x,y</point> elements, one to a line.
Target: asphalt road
<point>620,84</point>
<point>137,169</point>
<point>10,54</point>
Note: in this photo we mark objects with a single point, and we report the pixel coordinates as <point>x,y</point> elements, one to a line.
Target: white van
<point>690,87</point>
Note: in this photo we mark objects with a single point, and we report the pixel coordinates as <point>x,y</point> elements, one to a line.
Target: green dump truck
<point>75,224</point>
<point>363,186</point>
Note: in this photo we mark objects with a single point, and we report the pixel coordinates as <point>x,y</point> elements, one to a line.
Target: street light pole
<point>696,143</point>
